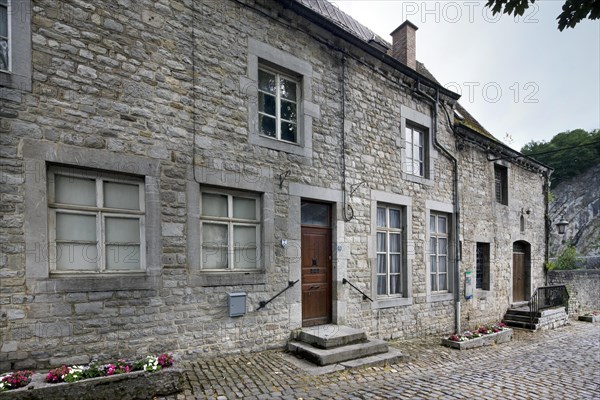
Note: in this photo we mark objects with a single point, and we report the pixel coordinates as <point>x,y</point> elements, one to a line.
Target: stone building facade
<point>160,156</point>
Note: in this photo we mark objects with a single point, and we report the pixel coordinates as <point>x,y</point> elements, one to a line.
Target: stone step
<point>337,354</point>
<point>520,318</point>
<point>521,324</point>
<point>330,336</point>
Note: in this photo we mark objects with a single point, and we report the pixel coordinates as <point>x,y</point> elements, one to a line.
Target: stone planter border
<point>485,340</point>
<point>133,385</point>
<point>590,318</point>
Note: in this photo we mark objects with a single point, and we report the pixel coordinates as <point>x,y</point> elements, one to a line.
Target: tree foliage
<point>573,11</point>
<point>567,259</point>
<point>570,153</point>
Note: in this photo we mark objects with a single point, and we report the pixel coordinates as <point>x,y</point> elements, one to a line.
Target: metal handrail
<point>264,303</point>
<point>548,297</point>
<point>365,297</point>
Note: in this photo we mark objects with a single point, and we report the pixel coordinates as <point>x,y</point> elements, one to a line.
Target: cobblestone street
<point>558,364</point>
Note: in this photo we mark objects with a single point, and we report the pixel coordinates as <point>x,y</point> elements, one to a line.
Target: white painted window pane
<point>76,257</point>
<point>381,242</point>
<point>443,246</point>
<point>288,89</point>
<point>288,131</point>
<point>266,81</point>
<point>395,243</point>
<point>121,195</point>
<point>434,281</point>
<point>443,282</point>
<point>122,257</point>
<point>433,245</point>
<point>214,258</point>
<point>409,152</point>
<point>244,236</point>
<point>381,269</point>
<point>409,134</point>
<point>395,287</point>
<point>381,284</point>
<point>214,205</point>
<point>433,261</point>
<point>122,230</point>
<point>214,235</point>
<point>395,263</point>
<point>417,168</point>
<point>442,263</point>
<point>244,208</point>
<point>381,217</point>
<point>419,138</point>
<point>432,224</point>
<point>245,258</point>
<point>394,218</point>
<point>442,224</point>
<point>76,191</point>
<point>75,227</point>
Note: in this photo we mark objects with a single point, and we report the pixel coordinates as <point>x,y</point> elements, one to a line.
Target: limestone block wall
<point>583,287</point>
<point>129,87</point>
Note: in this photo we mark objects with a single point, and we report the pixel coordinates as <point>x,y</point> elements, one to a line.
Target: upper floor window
<point>416,148</point>
<point>96,221</point>
<point>4,36</point>
<point>501,184</point>
<point>389,250</point>
<point>230,230</point>
<point>15,45</point>
<point>438,243</point>
<point>277,105</point>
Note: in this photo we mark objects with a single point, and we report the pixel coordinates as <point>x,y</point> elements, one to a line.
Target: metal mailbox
<point>236,304</point>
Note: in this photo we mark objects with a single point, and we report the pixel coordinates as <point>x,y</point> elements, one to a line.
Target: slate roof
<point>352,26</point>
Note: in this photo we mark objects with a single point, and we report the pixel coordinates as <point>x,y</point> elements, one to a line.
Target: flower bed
<point>590,317</point>
<point>483,336</point>
<point>144,379</point>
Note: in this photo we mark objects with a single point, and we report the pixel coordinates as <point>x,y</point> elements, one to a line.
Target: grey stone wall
<point>583,287</point>
<point>129,86</point>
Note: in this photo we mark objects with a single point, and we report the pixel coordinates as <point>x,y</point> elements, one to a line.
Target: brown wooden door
<point>316,274</point>
<point>519,278</point>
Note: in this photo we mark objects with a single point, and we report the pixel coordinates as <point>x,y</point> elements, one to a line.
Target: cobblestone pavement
<point>558,364</point>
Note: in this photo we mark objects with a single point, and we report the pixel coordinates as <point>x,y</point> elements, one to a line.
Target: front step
<point>330,336</point>
<point>549,318</point>
<point>339,354</point>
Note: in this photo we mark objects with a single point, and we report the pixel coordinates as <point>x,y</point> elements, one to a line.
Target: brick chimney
<point>404,44</point>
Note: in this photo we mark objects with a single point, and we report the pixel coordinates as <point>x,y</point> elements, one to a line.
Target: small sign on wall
<point>469,285</point>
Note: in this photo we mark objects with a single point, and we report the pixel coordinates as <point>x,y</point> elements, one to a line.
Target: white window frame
<point>387,230</point>
<point>100,212</point>
<point>18,76</point>
<point>278,99</point>
<point>262,54</point>
<point>436,254</point>
<point>231,222</point>
<point>8,38</point>
<point>416,149</point>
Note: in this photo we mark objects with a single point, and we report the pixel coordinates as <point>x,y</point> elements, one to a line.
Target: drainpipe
<point>435,107</point>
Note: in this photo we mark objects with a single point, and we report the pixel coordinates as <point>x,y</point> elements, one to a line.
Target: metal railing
<point>264,303</point>
<point>548,297</point>
<point>365,297</point>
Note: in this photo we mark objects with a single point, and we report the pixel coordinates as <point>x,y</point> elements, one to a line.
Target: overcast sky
<point>521,77</point>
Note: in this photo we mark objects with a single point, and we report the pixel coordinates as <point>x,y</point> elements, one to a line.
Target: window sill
<point>418,179</point>
<point>392,302</point>
<point>229,278</point>
<point>65,283</point>
<point>275,144</point>
<point>483,294</point>
<point>435,297</point>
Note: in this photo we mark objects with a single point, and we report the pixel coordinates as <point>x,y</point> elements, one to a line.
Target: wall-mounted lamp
<point>561,226</point>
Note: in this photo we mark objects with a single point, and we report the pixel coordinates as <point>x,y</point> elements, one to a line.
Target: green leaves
<point>573,11</point>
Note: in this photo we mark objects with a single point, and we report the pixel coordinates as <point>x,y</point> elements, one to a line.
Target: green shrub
<point>567,259</point>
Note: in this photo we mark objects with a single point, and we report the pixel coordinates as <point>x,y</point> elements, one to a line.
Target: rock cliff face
<point>578,202</point>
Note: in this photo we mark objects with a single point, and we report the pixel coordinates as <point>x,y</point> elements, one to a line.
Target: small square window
<point>15,44</point>
<point>230,231</point>
<point>96,221</point>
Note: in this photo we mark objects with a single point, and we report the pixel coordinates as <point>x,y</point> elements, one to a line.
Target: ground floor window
<point>482,261</point>
<point>389,250</point>
<point>438,252</point>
